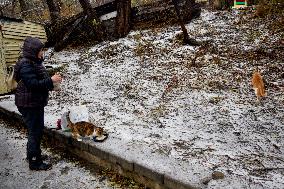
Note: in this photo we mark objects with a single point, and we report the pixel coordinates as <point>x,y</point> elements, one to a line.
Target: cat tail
<point>69,122</point>
<point>263,92</point>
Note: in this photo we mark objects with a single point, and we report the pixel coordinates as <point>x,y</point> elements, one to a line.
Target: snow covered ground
<point>192,106</point>
<point>14,171</point>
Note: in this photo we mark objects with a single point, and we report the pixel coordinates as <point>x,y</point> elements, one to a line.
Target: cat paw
<point>79,139</point>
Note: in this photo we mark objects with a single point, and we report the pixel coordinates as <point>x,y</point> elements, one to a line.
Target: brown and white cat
<point>258,85</point>
<point>84,129</point>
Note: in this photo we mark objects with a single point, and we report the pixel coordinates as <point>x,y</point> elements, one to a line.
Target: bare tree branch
<point>186,38</point>
<point>53,10</point>
<point>87,7</point>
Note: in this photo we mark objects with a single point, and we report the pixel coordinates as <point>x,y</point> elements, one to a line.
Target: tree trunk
<point>80,29</point>
<point>193,9</point>
<point>59,4</point>
<point>87,7</point>
<point>53,10</point>
<point>123,17</point>
<point>186,38</point>
<point>24,8</point>
<point>180,20</point>
<point>13,6</point>
<point>92,23</point>
<point>221,4</point>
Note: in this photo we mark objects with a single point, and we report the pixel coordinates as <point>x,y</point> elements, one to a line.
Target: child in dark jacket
<point>31,96</point>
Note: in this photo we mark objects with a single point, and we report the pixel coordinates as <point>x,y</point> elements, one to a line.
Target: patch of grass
<point>253,35</point>
<point>221,4</point>
<point>217,84</point>
<point>217,60</point>
<point>178,39</point>
<point>51,71</point>
<point>270,8</point>
<point>215,99</point>
<point>137,37</point>
<point>69,9</point>
<point>135,3</point>
<point>144,48</point>
<point>110,52</point>
<point>158,111</point>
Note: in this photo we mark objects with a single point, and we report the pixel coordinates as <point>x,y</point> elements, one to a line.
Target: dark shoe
<point>43,157</point>
<point>39,165</point>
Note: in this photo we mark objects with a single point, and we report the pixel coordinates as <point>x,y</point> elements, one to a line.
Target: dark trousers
<point>34,120</point>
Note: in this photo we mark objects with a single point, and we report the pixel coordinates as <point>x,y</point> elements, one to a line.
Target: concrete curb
<point>90,152</point>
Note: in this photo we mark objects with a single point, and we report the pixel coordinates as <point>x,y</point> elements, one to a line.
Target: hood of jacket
<point>31,48</point>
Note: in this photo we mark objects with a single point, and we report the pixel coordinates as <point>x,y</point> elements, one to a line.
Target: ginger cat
<point>84,129</point>
<point>258,85</point>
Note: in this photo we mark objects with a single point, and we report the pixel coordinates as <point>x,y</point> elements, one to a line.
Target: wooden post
<point>186,38</point>
<point>123,17</point>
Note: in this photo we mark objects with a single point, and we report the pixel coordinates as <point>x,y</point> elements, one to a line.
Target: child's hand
<point>56,78</point>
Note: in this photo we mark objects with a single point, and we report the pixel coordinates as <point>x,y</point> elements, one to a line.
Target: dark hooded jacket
<point>32,77</point>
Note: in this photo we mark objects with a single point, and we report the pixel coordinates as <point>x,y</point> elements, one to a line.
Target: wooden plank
<point>24,34</point>
<point>23,24</point>
<point>12,26</point>
<point>21,37</point>
<point>108,16</point>
<point>12,48</point>
<point>13,37</point>
<point>9,47</point>
<point>31,24</point>
<point>12,56</point>
<point>3,68</point>
<point>24,31</point>
<point>23,28</point>
<point>106,8</point>
<point>9,53</point>
<point>11,41</point>
<point>12,53</point>
<point>11,60</point>
<point>99,3</point>
<point>11,63</point>
<point>9,44</point>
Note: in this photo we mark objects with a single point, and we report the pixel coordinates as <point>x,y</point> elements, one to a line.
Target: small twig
<point>269,169</point>
<point>269,156</point>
